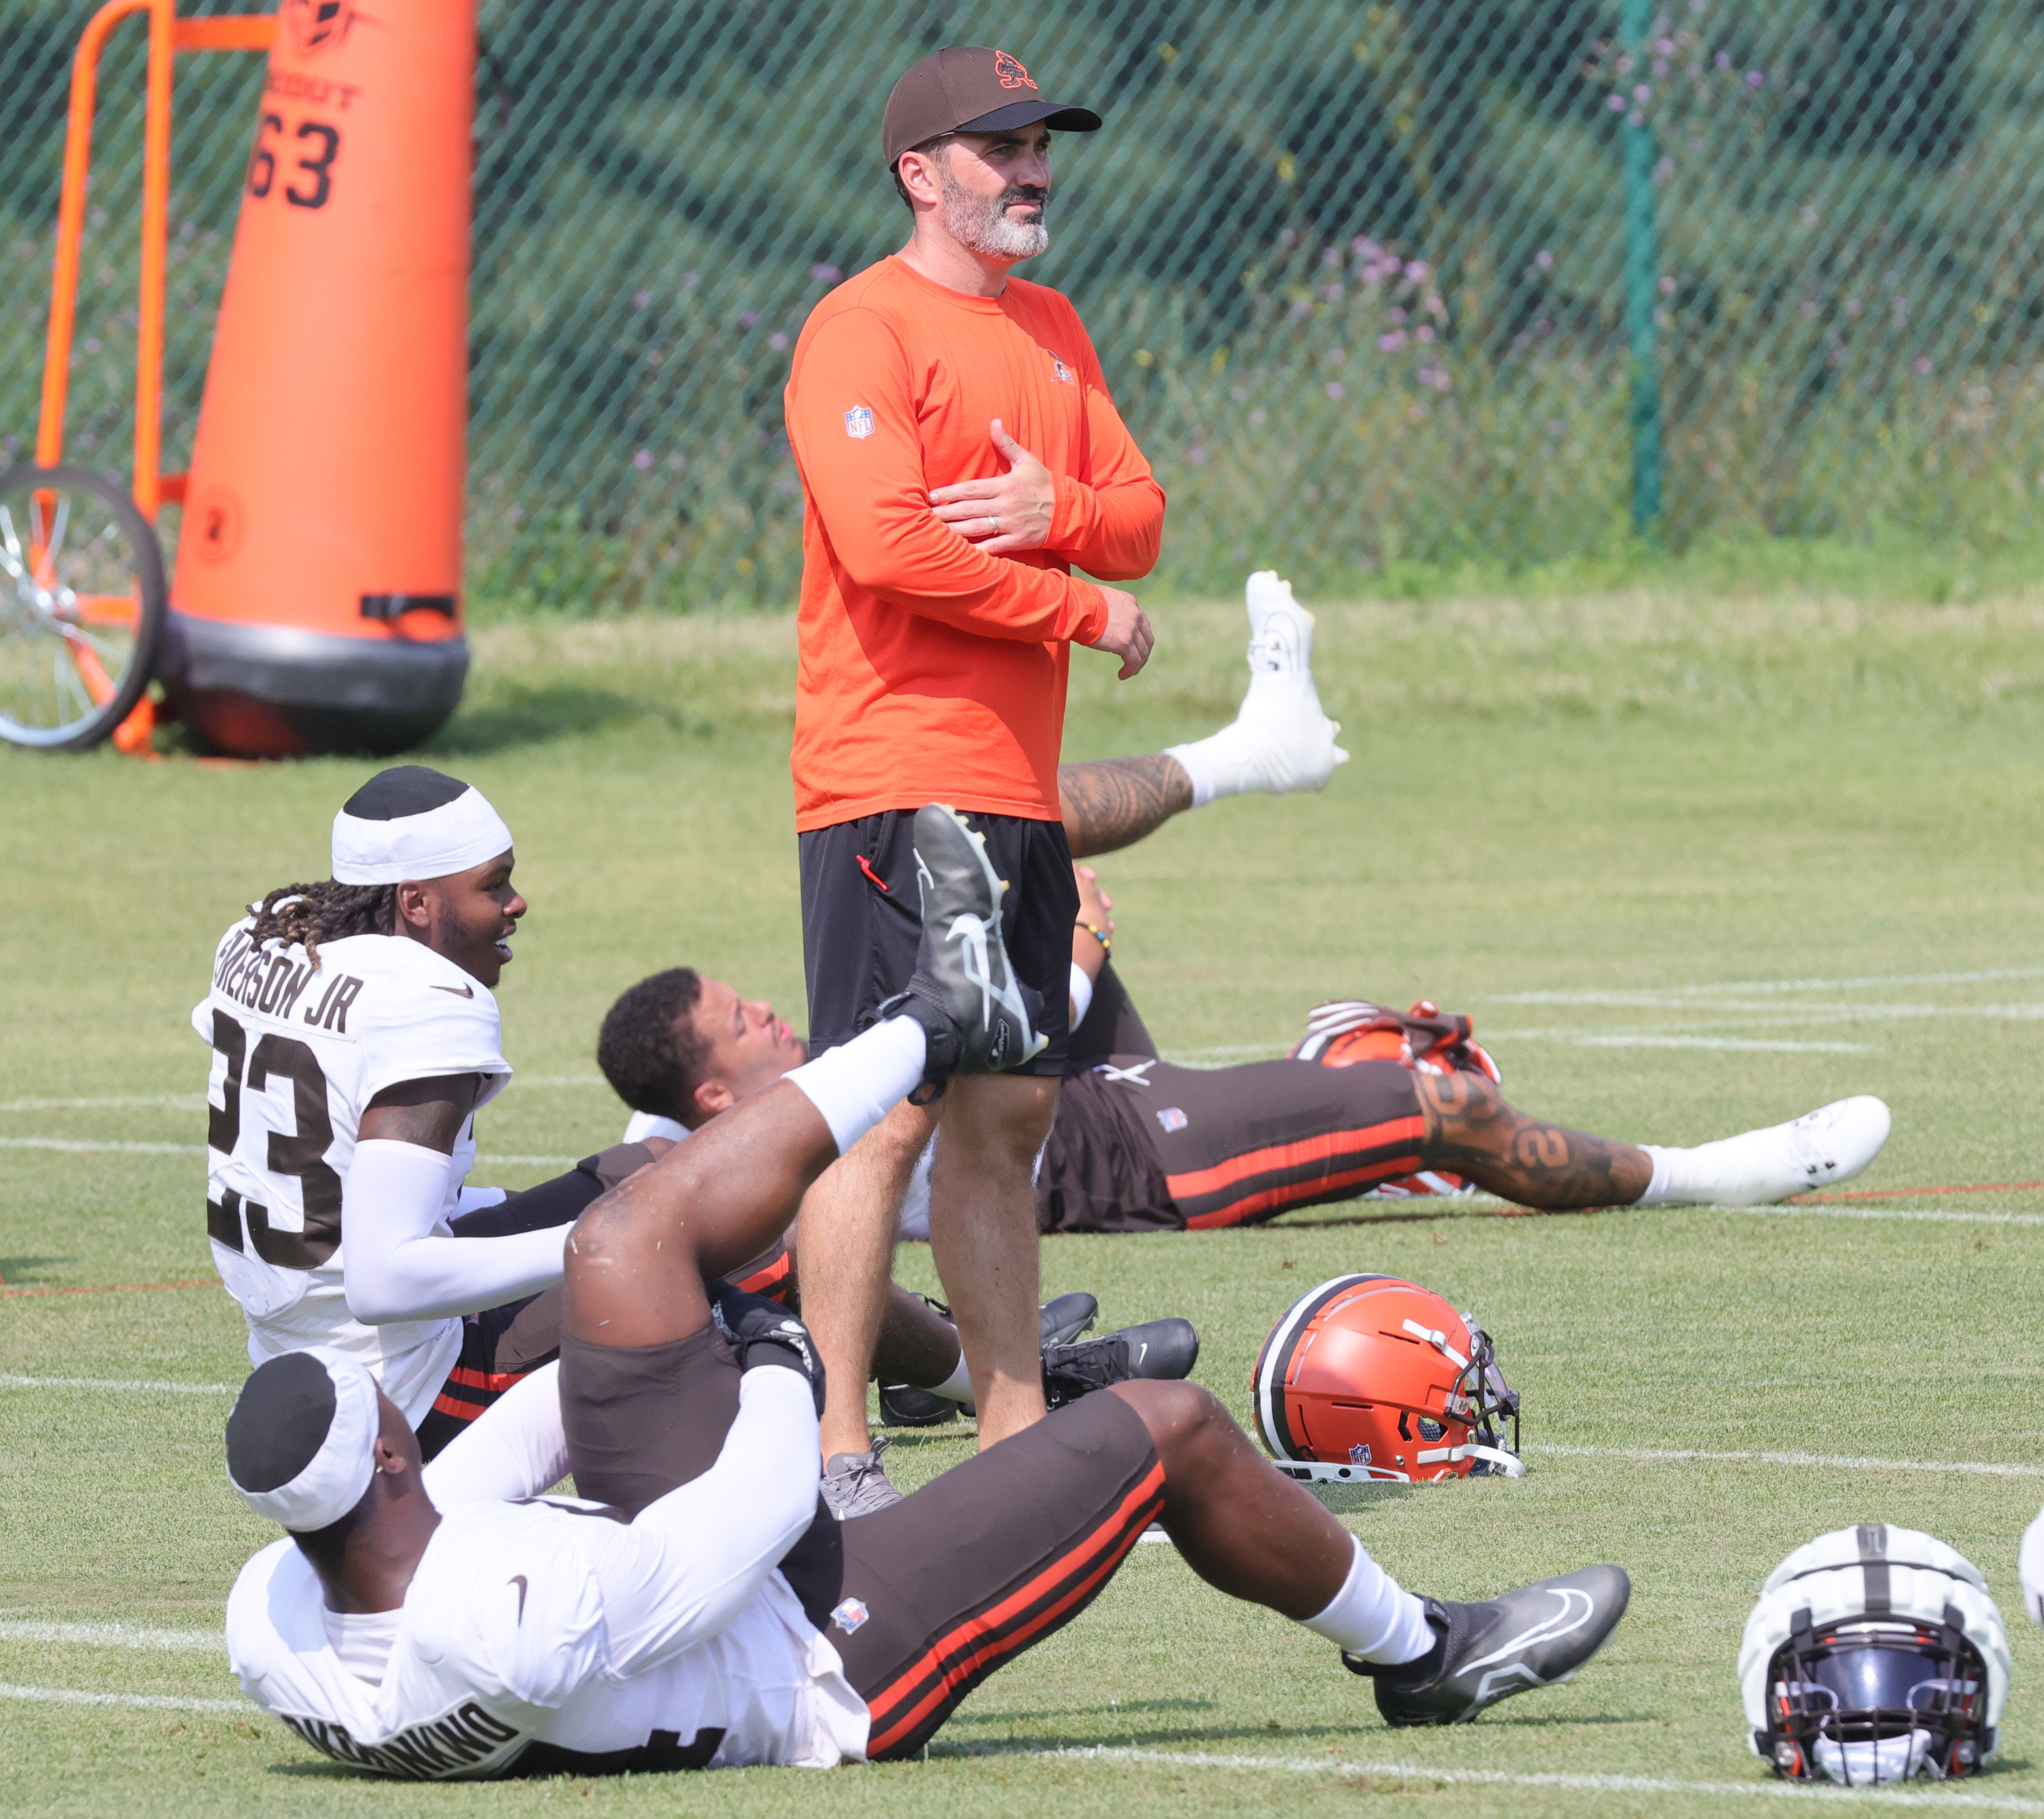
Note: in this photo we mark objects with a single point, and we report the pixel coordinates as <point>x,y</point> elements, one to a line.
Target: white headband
<point>335,1476</point>
<point>434,844</point>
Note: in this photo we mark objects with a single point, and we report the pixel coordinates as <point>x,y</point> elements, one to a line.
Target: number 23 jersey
<point>298,1053</point>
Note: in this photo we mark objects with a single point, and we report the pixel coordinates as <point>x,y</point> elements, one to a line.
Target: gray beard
<point>981,224</point>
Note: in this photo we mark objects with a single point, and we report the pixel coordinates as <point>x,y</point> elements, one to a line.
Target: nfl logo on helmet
<point>858,423</point>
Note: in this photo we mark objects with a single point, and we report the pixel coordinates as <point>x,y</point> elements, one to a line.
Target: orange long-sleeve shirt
<point>930,672</point>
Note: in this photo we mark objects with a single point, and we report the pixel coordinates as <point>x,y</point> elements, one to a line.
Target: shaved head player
<point>960,456</point>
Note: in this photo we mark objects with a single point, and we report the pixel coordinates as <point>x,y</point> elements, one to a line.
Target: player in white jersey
<point>354,1037</point>
<point>452,1622</point>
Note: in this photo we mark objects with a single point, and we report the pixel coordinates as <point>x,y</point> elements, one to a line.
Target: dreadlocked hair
<point>310,914</point>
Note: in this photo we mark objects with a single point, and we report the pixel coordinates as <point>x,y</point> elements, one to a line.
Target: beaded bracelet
<point>1104,940</point>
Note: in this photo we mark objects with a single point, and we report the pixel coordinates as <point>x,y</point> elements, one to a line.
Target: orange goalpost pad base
<point>316,602</point>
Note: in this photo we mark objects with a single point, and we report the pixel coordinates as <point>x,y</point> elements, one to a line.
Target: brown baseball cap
<point>969,88</point>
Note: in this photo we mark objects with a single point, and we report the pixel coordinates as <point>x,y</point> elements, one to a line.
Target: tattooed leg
<point>1471,1130</point>
<point>1114,802</point>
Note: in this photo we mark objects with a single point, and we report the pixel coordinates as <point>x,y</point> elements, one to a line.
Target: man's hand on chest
<point>1002,514</point>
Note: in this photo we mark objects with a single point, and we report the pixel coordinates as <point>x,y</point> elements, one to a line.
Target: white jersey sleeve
<point>516,1447</point>
<point>298,1051</point>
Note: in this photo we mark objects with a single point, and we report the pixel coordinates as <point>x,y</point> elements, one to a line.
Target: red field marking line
<point>1911,1193</point>
<point>115,1288</point>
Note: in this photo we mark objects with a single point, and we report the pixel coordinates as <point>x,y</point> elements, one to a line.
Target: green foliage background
<point>1286,195</point>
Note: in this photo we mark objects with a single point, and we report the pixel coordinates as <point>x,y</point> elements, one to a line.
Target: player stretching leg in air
<point>452,1621</point>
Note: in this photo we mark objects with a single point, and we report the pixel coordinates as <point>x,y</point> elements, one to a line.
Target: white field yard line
<point>1673,1038</point>
<point>147,1701</point>
<point>1930,1214</point>
<point>137,1388</point>
<point>1758,1789</point>
<point>177,1101</point>
<point>115,1636</point>
<point>1745,1014</point>
<point>1654,995</point>
<point>1821,1461</point>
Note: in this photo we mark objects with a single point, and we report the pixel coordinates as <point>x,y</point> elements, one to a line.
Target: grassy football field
<point>1691,865</point>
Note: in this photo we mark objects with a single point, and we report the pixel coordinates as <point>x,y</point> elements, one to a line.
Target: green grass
<point>1636,794</point>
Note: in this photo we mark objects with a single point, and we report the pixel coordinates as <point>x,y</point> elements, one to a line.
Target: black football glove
<point>762,1331</point>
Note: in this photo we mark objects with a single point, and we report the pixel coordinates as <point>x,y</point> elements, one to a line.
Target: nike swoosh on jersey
<point>517,1579</point>
<point>457,991</point>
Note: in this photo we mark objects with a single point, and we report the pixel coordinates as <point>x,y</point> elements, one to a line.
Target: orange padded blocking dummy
<point>317,604</point>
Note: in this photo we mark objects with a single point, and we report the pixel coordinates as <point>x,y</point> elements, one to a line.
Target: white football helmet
<point>1874,1654</point>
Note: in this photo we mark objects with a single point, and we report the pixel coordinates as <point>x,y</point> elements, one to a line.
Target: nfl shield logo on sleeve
<point>849,1616</point>
<point>858,423</point>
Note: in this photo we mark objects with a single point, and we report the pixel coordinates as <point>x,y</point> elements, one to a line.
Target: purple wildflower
<point>1425,332</point>
<point>1667,285</point>
<point>1617,104</point>
<point>641,298</point>
<point>1391,342</point>
<point>826,274</point>
<point>1334,389</point>
<point>1257,419</point>
<point>1643,94</point>
<point>747,318</point>
<point>1722,59</point>
<point>1923,362</point>
<point>1416,271</point>
<point>1755,77</point>
<point>690,280</point>
<point>643,460</point>
<point>778,342</point>
<point>1544,259</point>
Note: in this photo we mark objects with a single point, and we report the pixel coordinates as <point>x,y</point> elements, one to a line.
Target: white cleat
<point>1819,1150</point>
<point>1286,740</point>
<point>1281,631</point>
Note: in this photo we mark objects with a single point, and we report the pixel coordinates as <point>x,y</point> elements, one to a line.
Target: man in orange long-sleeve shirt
<point>960,456</point>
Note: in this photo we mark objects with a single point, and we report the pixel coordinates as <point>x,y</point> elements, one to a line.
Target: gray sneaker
<point>855,1483</point>
<point>963,991</point>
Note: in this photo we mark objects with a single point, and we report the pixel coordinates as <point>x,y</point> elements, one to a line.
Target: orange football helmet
<point>1374,1377</point>
<point>1425,1039</point>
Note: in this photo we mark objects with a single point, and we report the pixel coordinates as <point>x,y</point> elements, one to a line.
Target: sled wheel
<point>82,607</point>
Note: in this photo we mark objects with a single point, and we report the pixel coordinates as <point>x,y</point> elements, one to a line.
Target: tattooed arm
<point>1114,802</point>
<point>1471,1130</point>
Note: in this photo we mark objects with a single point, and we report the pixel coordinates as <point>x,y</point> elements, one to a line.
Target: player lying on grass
<point>354,1037</point>
<point>1139,1145</point>
<point>452,1621</point>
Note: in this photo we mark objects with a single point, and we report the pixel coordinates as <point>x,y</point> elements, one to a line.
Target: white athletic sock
<point>857,1084</point>
<point>1374,1616</point>
<point>957,1387</point>
<point>1657,1188</point>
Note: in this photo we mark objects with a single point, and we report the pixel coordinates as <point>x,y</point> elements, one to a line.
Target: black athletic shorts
<point>862,920</point>
<point>1141,1145</point>
<point>922,1600</point>
<point>501,1345</point>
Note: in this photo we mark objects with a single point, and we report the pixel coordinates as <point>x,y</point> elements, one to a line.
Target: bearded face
<point>983,224</point>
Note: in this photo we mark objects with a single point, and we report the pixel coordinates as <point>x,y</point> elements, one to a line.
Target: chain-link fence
<point>1427,280</point>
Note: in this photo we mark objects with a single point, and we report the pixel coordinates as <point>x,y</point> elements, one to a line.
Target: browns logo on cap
<point>971,88</point>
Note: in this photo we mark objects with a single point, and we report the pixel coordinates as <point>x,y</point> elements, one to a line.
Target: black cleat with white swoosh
<point>1537,1635</point>
<point>1166,1348</point>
